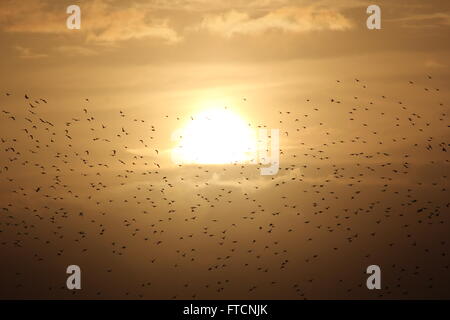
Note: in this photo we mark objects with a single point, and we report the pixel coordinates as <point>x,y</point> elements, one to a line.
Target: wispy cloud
<point>102,21</point>
<point>32,16</point>
<point>286,19</point>
<point>430,63</point>
<point>27,53</point>
<point>434,19</point>
<point>76,50</point>
<point>107,23</point>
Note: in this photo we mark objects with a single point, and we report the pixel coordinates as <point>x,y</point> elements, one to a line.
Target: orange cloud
<point>101,21</point>
<point>286,19</point>
<point>27,53</point>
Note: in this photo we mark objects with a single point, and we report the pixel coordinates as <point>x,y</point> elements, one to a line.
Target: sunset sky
<point>87,126</point>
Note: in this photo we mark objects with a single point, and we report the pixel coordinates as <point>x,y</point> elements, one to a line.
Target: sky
<point>87,134</point>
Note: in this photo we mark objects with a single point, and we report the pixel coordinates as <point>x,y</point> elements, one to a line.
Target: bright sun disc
<point>215,136</point>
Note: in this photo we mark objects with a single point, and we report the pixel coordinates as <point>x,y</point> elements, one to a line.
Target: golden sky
<point>87,127</point>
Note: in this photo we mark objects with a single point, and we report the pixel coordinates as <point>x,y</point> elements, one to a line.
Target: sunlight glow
<point>215,136</point>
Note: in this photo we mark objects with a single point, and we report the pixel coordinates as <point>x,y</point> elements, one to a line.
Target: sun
<point>214,136</point>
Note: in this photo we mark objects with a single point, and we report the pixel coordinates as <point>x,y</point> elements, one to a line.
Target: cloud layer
<point>108,22</point>
<point>287,19</point>
<point>102,21</point>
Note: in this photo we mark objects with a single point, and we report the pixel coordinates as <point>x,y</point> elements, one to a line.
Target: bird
<point>362,178</point>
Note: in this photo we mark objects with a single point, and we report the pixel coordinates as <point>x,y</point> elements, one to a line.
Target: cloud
<point>101,21</point>
<point>435,19</point>
<point>434,64</point>
<point>134,30</point>
<point>27,53</point>
<point>106,23</point>
<point>30,16</point>
<point>76,51</point>
<point>286,19</point>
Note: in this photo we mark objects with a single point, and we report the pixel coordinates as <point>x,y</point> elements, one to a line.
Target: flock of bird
<point>362,181</point>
